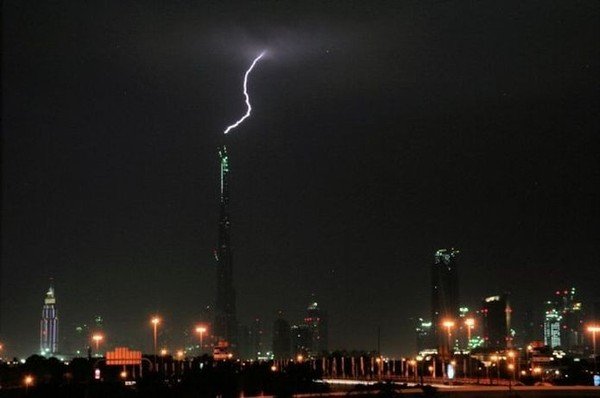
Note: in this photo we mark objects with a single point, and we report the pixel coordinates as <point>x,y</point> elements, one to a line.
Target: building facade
<point>496,317</point>
<point>424,335</point>
<point>282,335</point>
<point>49,325</point>
<point>552,322</point>
<point>316,320</point>
<point>225,326</point>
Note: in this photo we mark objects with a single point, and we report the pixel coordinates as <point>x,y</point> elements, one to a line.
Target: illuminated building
<point>444,294</point>
<point>424,334</point>
<point>571,332</point>
<point>496,318</point>
<point>281,338</point>
<point>256,332</point>
<point>552,321</point>
<point>49,325</point>
<point>316,320</point>
<point>225,324</point>
<point>301,340</point>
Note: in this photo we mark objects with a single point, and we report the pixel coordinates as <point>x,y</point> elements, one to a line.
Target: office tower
<point>444,295</point>
<point>302,340</point>
<point>257,333</point>
<point>281,338</point>
<point>496,318</point>
<point>245,348</point>
<point>49,325</point>
<point>529,331</point>
<point>552,323</point>
<point>424,334</point>
<point>316,320</point>
<point>572,330</point>
<point>225,324</point>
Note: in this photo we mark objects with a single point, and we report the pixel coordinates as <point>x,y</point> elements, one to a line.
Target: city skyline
<point>378,136</point>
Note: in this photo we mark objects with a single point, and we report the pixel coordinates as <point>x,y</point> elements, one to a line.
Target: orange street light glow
<point>448,324</point>
<point>97,337</point>
<point>200,329</point>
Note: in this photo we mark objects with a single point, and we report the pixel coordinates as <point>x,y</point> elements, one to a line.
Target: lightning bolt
<point>248,106</point>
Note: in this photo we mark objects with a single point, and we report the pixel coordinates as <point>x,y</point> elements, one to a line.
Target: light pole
<point>449,324</point>
<point>512,366</point>
<point>496,360</point>
<point>28,381</point>
<point>593,329</point>
<point>470,324</point>
<point>420,364</point>
<point>201,330</point>
<point>415,371</point>
<point>97,338</point>
<point>155,321</point>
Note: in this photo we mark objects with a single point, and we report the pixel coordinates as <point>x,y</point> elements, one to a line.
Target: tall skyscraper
<point>282,335</point>
<point>257,332</point>
<point>496,316</point>
<point>424,336</point>
<point>316,320</point>
<point>49,325</point>
<point>301,339</point>
<point>225,323</point>
<point>444,295</point>
<point>552,321</point>
<point>572,330</point>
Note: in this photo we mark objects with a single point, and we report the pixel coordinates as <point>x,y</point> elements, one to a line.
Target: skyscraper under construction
<point>225,322</point>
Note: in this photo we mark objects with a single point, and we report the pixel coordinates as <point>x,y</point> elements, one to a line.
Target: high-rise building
<point>496,317</point>
<point>245,349</point>
<point>316,320</point>
<point>301,340</point>
<point>444,295</point>
<point>49,325</point>
<point>572,329</point>
<point>281,338</point>
<point>225,324</point>
<point>424,334</point>
<point>552,324</point>
<point>257,333</point>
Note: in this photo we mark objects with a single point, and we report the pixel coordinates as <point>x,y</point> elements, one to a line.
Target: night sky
<point>381,131</point>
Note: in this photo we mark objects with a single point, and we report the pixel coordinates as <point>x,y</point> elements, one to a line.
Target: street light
<point>201,330</point>
<point>97,339</point>
<point>449,325</point>
<point>470,323</point>
<point>419,359</point>
<point>496,360</point>
<point>511,369</point>
<point>155,321</point>
<point>593,329</point>
<point>28,381</point>
<point>414,365</point>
